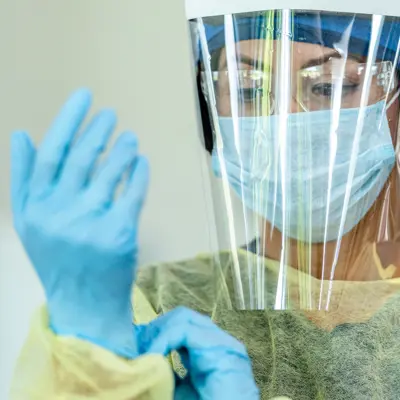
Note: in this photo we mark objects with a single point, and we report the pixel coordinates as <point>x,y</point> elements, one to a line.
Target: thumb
<point>22,158</point>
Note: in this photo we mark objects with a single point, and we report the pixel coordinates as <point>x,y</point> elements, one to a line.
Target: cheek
<point>223,107</point>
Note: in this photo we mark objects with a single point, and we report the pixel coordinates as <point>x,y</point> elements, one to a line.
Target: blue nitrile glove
<point>218,365</point>
<point>80,238</point>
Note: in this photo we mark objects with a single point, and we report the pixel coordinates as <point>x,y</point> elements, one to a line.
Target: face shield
<point>300,115</point>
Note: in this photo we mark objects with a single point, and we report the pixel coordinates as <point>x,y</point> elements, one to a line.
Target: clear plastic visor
<point>300,114</point>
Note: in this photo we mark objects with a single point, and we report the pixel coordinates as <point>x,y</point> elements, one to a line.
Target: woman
<point>300,115</point>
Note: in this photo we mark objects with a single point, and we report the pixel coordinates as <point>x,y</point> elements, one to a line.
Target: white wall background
<point>135,56</point>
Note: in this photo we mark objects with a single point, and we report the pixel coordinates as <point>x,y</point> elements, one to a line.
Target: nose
<point>294,106</point>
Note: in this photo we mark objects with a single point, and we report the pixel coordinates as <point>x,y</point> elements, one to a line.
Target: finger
<point>22,159</point>
<point>130,204</point>
<point>185,335</point>
<point>216,359</point>
<point>121,156</point>
<point>84,154</point>
<point>54,148</point>
<point>184,328</point>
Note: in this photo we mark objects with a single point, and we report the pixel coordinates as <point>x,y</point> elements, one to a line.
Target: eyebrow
<point>243,59</point>
<point>321,60</point>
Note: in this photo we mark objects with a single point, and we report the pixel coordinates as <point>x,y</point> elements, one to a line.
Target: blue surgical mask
<point>299,183</point>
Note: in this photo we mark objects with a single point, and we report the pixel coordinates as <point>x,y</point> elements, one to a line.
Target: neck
<point>350,258</point>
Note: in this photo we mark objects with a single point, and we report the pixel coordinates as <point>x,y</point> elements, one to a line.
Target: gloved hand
<point>81,240</point>
<point>218,365</point>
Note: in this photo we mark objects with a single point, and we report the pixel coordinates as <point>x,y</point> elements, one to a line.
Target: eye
<point>326,89</point>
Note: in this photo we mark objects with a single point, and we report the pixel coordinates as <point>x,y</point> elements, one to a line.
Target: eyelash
<point>322,86</point>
